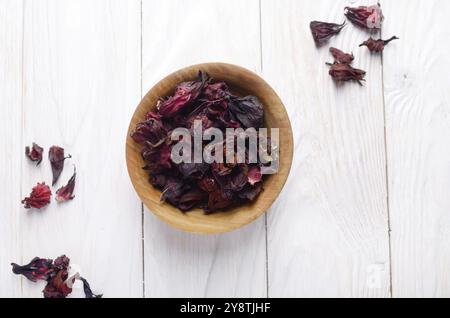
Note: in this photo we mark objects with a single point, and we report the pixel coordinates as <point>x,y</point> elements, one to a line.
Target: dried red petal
<point>37,269</point>
<point>367,17</point>
<point>341,57</point>
<point>35,153</point>
<point>66,193</point>
<point>56,157</point>
<point>39,197</point>
<point>323,31</point>
<point>377,45</point>
<point>87,289</point>
<point>185,94</point>
<point>254,175</point>
<point>344,73</point>
<point>58,286</point>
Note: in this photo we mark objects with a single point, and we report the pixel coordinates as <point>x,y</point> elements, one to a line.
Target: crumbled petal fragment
<point>344,73</point>
<point>57,158</point>
<point>323,31</point>
<point>254,175</point>
<point>39,197</point>
<point>87,289</point>
<point>367,17</point>
<point>341,57</point>
<point>34,153</point>
<point>37,269</point>
<point>377,45</point>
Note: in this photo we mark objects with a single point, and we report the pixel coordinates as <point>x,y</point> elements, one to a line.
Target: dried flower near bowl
<point>341,57</point>
<point>57,158</point>
<point>377,45</point>
<point>34,153</point>
<point>323,31</point>
<point>366,17</point>
<point>39,197</point>
<point>344,73</point>
<point>56,274</point>
<point>188,185</point>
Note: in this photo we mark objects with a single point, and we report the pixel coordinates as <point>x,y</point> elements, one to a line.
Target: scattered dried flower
<point>35,153</point>
<point>341,57</point>
<point>323,31</point>
<point>56,273</point>
<point>39,197</point>
<point>37,269</point>
<point>344,73</point>
<point>367,17</point>
<point>56,157</point>
<point>66,193</point>
<point>377,45</point>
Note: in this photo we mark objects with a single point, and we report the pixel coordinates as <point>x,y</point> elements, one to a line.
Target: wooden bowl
<point>241,82</point>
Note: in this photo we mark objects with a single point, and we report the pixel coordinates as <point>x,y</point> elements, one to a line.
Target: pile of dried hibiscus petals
<point>56,274</point>
<point>41,193</point>
<point>366,17</point>
<point>211,187</point>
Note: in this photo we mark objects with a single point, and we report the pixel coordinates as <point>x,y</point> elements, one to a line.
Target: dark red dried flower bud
<point>39,197</point>
<point>344,73</point>
<point>35,153</point>
<point>341,57</point>
<point>56,157</point>
<point>37,269</point>
<point>87,289</point>
<point>66,193</point>
<point>323,31</point>
<point>367,17</point>
<point>377,45</point>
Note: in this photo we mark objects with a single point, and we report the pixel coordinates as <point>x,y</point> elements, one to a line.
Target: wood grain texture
<point>416,81</point>
<point>241,82</point>
<point>12,151</point>
<point>328,233</point>
<point>176,34</point>
<point>81,82</point>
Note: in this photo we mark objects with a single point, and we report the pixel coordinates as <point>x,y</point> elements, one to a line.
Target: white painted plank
<point>328,233</point>
<point>10,143</point>
<point>178,33</point>
<point>82,82</point>
<point>416,80</point>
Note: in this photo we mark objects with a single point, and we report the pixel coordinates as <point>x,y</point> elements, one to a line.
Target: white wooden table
<point>365,213</point>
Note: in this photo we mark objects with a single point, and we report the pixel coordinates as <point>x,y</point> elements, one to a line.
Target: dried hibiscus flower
<point>56,273</point>
<point>39,197</point>
<point>34,153</point>
<point>37,269</point>
<point>323,31</point>
<point>377,45</point>
<point>56,157</point>
<point>344,73</point>
<point>341,57</point>
<point>66,193</point>
<point>367,17</point>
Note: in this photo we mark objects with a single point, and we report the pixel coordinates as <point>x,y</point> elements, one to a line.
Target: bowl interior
<point>242,82</point>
